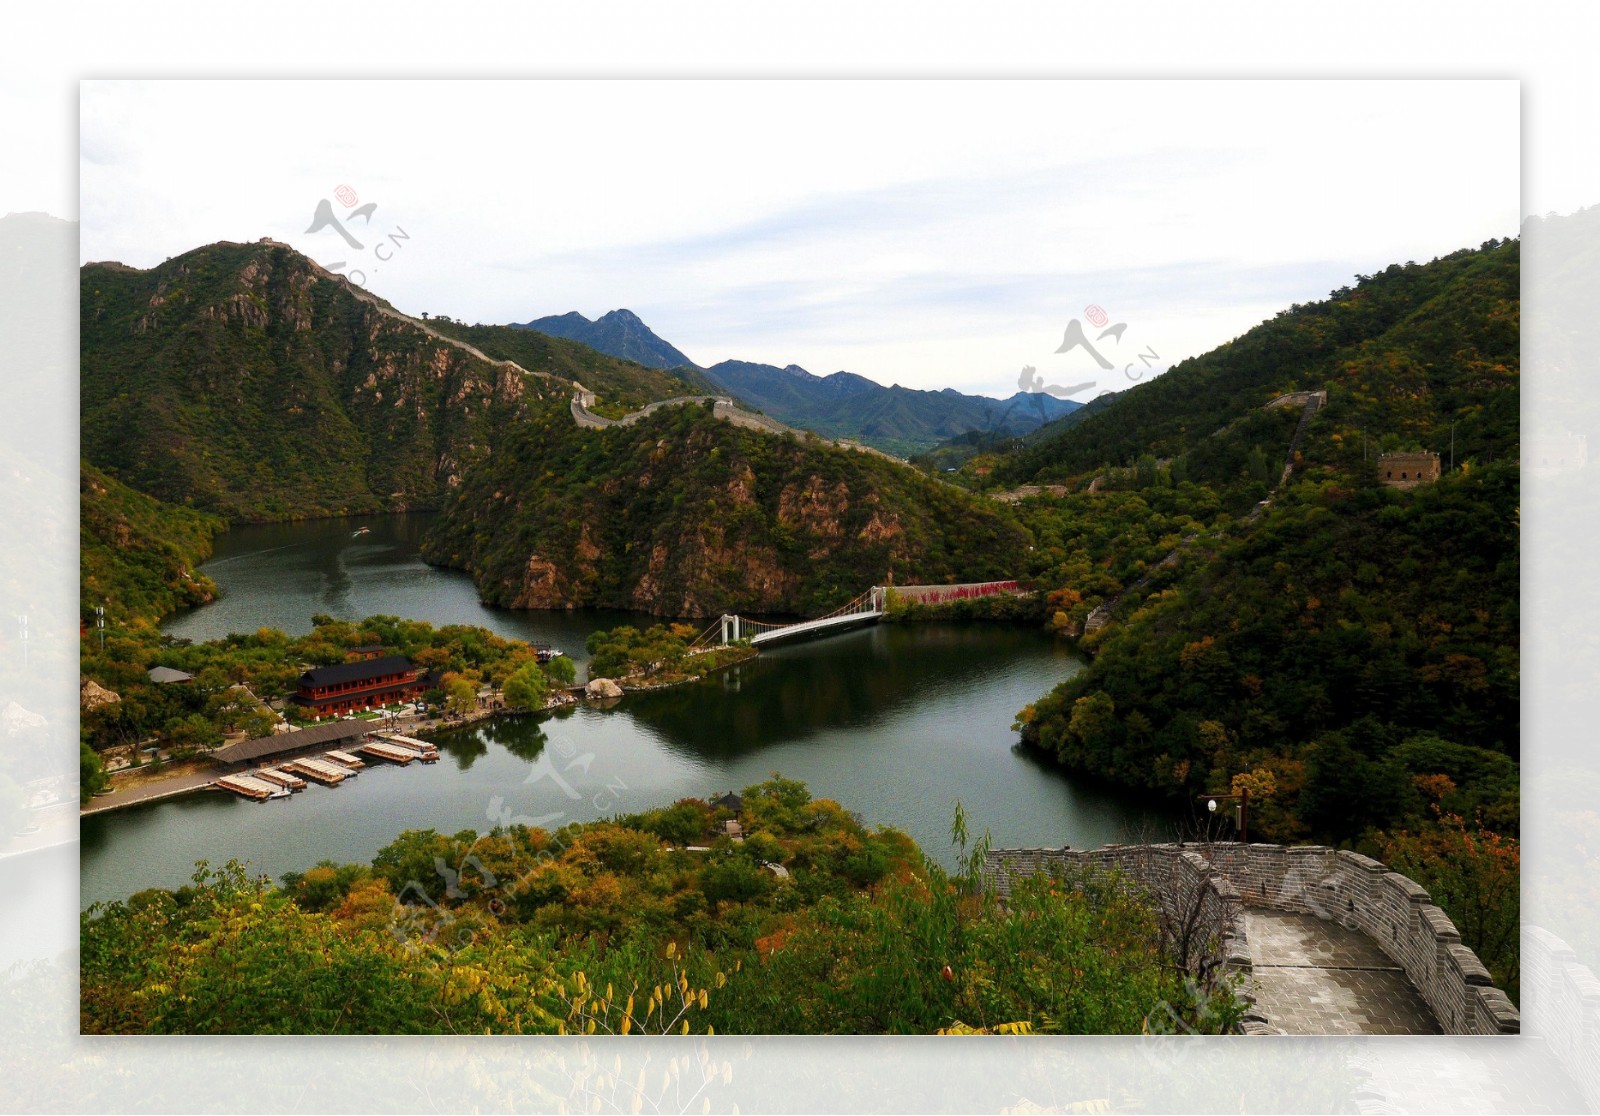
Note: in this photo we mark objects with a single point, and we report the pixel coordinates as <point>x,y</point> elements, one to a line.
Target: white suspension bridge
<point>868,608</point>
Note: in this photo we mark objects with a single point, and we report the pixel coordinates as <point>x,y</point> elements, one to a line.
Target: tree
<point>461,696</point>
<point>527,688</point>
<point>1474,874</point>
<point>191,733</point>
<point>561,671</point>
<point>92,776</point>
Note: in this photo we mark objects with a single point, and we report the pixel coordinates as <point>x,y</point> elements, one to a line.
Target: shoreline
<point>202,773</point>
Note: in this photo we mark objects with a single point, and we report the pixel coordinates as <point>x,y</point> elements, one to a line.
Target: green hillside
<point>1351,638</point>
<point>137,556</point>
<point>1405,353</point>
<point>682,514</point>
<point>615,927</point>
<point>1345,636</point>
<point>244,380</point>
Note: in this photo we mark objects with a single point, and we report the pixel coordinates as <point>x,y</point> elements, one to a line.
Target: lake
<point>895,722</point>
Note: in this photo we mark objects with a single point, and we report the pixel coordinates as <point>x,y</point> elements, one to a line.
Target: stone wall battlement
<point>1219,880</point>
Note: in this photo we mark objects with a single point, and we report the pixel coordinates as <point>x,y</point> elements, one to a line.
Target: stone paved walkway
<point>1314,977</point>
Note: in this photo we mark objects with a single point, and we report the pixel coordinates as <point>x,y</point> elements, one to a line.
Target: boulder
<point>93,695</point>
<point>602,688</point>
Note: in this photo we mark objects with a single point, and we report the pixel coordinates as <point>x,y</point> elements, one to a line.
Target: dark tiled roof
<point>247,751</point>
<point>356,672</point>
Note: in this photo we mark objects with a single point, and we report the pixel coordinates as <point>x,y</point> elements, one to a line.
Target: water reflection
<point>861,679</point>
<point>895,722</point>
<point>464,746</point>
<point>279,575</point>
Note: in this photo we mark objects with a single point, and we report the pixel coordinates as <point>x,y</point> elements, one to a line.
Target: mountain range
<point>842,405</point>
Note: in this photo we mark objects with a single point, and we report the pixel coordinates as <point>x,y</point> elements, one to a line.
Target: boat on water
<point>544,652</point>
<point>359,531</point>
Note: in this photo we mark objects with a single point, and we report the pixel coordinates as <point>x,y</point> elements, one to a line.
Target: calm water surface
<point>896,722</point>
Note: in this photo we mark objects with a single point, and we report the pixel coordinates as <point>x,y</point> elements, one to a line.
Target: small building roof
<point>259,747</point>
<point>729,801</point>
<point>355,672</point>
<point>167,674</point>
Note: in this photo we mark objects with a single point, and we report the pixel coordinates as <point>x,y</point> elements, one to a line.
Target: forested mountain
<point>1353,644</point>
<point>244,379</point>
<point>1405,354</point>
<point>682,514</point>
<point>619,333</point>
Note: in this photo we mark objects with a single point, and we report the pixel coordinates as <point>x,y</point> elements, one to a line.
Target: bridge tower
<point>730,629</point>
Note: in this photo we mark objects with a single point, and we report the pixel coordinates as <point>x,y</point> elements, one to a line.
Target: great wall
<point>1323,941</point>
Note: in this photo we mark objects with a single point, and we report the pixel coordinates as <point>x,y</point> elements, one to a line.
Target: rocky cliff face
<point>245,379</point>
<point>682,515</point>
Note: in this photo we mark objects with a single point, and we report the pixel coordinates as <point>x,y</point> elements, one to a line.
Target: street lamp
<point>1241,812</point>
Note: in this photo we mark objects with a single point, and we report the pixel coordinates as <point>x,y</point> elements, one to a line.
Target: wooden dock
<point>346,760</point>
<point>329,775</point>
<point>281,778</point>
<point>421,749</point>
<point>245,786</point>
<point>391,752</point>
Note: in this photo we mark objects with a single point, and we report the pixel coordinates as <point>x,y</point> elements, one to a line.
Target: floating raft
<point>345,759</point>
<point>421,749</point>
<point>330,775</point>
<point>391,752</point>
<point>281,778</point>
<point>247,787</point>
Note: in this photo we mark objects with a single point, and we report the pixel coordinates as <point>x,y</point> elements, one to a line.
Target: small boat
<point>544,652</point>
<point>359,531</point>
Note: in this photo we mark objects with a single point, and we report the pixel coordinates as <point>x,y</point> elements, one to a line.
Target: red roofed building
<point>367,684</point>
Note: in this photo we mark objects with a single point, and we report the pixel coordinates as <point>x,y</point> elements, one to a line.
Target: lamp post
<point>1241,812</point>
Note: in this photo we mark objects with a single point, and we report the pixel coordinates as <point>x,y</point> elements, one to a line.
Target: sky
<point>927,233</point>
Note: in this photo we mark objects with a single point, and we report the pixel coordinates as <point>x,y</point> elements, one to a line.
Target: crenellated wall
<point>1353,890</point>
<point>1562,996</point>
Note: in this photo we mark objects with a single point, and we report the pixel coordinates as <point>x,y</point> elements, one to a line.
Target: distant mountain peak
<point>796,370</point>
<point>618,333</point>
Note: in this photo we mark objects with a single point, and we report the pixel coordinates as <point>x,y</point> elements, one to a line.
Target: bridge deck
<point>789,631</point>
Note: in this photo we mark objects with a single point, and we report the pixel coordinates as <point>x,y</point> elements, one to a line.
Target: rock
<point>602,688</point>
<point>93,695</point>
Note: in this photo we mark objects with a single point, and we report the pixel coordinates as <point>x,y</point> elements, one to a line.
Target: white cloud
<point>930,233</point>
